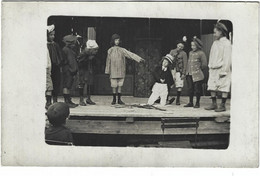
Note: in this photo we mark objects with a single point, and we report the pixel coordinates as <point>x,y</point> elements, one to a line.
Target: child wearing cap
<point>163,81</point>
<point>180,60</point>
<point>70,67</point>
<point>57,132</point>
<point>220,67</point>
<point>116,66</point>
<point>57,60</point>
<point>194,75</point>
<point>86,75</point>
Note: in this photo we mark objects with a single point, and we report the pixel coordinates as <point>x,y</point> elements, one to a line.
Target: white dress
<point>220,66</point>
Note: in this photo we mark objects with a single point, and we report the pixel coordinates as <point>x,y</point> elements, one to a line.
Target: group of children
<point>71,61</point>
<point>174,68</point>
<point>193,69</point>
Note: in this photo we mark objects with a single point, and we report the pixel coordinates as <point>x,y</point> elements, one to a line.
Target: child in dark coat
<point>70,67</point>
<point>163,81</point>
<point>57,133</point>
<point>86,71</point>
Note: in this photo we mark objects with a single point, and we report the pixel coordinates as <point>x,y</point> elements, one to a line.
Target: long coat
<point>116,64</point>
<point>86,71</point>
<point>70,58</point>
<point>196,63</point>
<point>220,65</point>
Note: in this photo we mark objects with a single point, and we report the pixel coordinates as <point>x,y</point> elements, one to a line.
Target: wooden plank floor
<point>142,127</point>
<point>104,108</point>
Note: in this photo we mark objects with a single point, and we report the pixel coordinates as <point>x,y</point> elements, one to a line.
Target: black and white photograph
<point>139,84</point>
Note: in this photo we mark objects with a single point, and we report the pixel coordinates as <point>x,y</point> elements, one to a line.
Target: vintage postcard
<point>158,84</point>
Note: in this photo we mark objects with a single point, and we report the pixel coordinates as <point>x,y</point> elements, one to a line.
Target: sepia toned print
<point>155,68</point>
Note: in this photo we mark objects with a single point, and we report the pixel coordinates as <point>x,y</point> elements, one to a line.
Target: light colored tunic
<point>116,64</point>
<point>49,85</point>
<point>220,66</point>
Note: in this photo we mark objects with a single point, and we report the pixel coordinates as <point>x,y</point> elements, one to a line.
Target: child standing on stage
<point>194,75</point>
<point>116,66</point>
<point>56,62</point>
<point>49,85</point>
<point>180,59</point>
<point>70,67</point>
<point>163,81</point>
<point>220,67</point>
<point>86,76</point>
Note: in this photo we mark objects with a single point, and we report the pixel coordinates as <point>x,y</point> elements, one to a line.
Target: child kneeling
<point>163,81</point>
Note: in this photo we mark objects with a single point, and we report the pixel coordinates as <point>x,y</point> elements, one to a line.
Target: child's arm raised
<point>133,56</point>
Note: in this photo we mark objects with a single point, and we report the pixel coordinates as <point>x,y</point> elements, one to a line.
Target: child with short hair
<point>57,132</point>
<point>163,81</point>
<point>197,62</point>
<point>116,66</point>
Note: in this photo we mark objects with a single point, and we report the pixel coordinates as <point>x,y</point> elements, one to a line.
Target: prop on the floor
<point>146,106</point>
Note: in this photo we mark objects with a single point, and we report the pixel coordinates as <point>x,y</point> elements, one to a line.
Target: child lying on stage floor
<point>163,81</point>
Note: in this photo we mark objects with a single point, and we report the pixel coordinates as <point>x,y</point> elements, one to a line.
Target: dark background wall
<point>131,30</point>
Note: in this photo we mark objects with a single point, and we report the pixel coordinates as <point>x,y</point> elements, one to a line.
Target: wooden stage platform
<point>104,108</point>
<point>104,124</point>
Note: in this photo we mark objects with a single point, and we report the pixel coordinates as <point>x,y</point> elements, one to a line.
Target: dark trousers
<point>194,88</point>
<point>56,79</point>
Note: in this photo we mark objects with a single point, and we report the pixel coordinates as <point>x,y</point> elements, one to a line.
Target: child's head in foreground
<point>58,113</point>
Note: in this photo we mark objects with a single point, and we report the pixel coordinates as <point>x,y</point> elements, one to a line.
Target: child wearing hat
<point>57,132</point>
<point>194,75</point>
<point>220,67</point>
<point>163,81</point>
<point>57,60</point>
<point>70,67</point>
<point>116,66</point>
<point>180,60</point>
<point>86,75</point>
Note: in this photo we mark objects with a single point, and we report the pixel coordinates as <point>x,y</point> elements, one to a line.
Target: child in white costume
<point>220,67</point>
